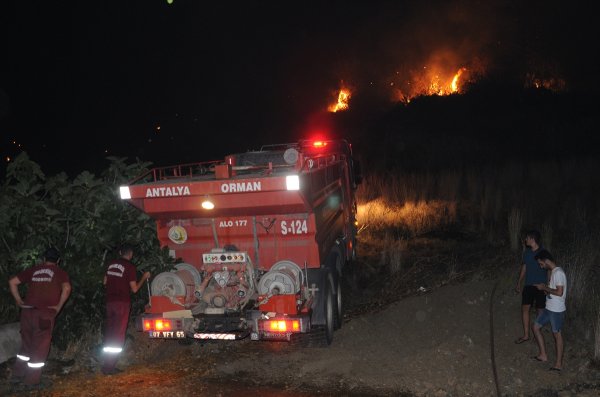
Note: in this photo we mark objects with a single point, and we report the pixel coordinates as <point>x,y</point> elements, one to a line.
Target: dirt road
<point>432,344</point>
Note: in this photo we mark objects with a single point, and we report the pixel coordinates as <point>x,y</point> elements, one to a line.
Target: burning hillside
<point>436,78</point>
<point>342,102</point>
<point>443,73</point>
<point>431,81</point>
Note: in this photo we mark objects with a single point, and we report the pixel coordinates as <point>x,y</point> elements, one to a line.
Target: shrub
<point>86,221</point>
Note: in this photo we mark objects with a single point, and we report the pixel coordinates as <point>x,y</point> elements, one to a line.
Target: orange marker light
<point>284,325</point>
<point>162,324</point>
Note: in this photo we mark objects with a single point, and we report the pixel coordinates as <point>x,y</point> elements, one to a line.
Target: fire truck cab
<point>262,238</point>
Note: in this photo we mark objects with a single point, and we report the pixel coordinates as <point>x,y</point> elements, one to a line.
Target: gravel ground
<point>436,343</point>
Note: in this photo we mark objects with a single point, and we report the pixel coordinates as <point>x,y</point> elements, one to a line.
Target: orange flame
<point>432,81</point>
<point>342,103</point>
<point>455,80</point>
<point>438,87</point>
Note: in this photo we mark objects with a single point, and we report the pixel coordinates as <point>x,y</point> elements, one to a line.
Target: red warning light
<point>319,144</point>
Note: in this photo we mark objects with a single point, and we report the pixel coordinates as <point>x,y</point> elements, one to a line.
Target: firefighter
<point>48,288</point>
<point>119,279</point>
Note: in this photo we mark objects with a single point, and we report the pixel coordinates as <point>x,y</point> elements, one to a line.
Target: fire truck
<point>261,240</point>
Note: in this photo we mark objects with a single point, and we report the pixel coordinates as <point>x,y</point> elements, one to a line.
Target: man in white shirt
<point>554,313</point>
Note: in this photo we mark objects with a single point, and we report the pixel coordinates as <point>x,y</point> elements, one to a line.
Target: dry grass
<point>597,336</point>
<point>554,197</point>
<point>411,218</point>
<point>551,196</point>
<point>392,253</point>
<point>546,233</point>
<point>515,223</point>
<point>580,262</point>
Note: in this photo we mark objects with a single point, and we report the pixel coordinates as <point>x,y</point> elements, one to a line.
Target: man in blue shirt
<point>533,274</point>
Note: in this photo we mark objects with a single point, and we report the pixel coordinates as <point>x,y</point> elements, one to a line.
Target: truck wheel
<point>335,281</point>
<point>339,307</point>
<point>330,311</point>
<point>322,335</point>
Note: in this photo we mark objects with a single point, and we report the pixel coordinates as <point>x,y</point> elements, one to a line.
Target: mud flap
<point>317,279</point>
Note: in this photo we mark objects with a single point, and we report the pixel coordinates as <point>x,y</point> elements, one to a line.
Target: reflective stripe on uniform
<point>35,365</point>
<point>24,358</point>
<point>111,349</point>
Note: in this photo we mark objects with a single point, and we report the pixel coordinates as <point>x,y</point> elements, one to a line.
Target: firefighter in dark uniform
<point>119,279</point>
<point>48,288</point>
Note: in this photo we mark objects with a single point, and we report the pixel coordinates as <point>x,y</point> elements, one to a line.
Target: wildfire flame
<point>342,103</point>
<point>432,81</point>
<point>443,86</point>
<point>455,80</point>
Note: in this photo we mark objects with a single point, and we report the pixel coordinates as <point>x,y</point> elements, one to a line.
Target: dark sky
<point>84,79</point>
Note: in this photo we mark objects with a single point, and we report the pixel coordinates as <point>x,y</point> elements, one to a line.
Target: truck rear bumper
<point>219,335</point>
<point>279,327</point>
<point>259,325</point>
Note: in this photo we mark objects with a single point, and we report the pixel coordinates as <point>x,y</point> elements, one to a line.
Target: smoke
<point>409,47</point>
<point>395,49</point>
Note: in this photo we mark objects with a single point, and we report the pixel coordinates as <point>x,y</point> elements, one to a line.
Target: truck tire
<point>322,335</point>
<point>336,285</point>
<point>334,278</point>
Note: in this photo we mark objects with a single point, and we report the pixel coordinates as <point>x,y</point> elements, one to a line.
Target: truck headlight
<point>125,193</point>
<point>292,182</point>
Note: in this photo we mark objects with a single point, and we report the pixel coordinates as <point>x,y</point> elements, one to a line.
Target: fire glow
<point>342,103</point>
<point>432,81</point>
<point>555,84</point>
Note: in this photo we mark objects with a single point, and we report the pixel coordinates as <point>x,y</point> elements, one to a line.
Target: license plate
<point>167,334</point>
<point>275,335</point>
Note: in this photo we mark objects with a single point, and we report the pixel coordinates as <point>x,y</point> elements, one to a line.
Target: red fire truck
<point>262,237</point>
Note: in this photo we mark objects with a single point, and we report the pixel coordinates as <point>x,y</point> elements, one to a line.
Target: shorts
<point>533,295</point>
<point>556,320</point>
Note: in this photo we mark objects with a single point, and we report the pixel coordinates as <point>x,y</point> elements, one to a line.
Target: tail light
<point>158,324</point>
<point>148,325</point>
<point>282,325</point>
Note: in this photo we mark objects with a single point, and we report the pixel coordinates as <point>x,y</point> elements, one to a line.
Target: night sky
<point>193,81</point>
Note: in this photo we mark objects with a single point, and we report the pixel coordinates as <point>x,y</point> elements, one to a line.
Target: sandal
<point>521,340</point>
